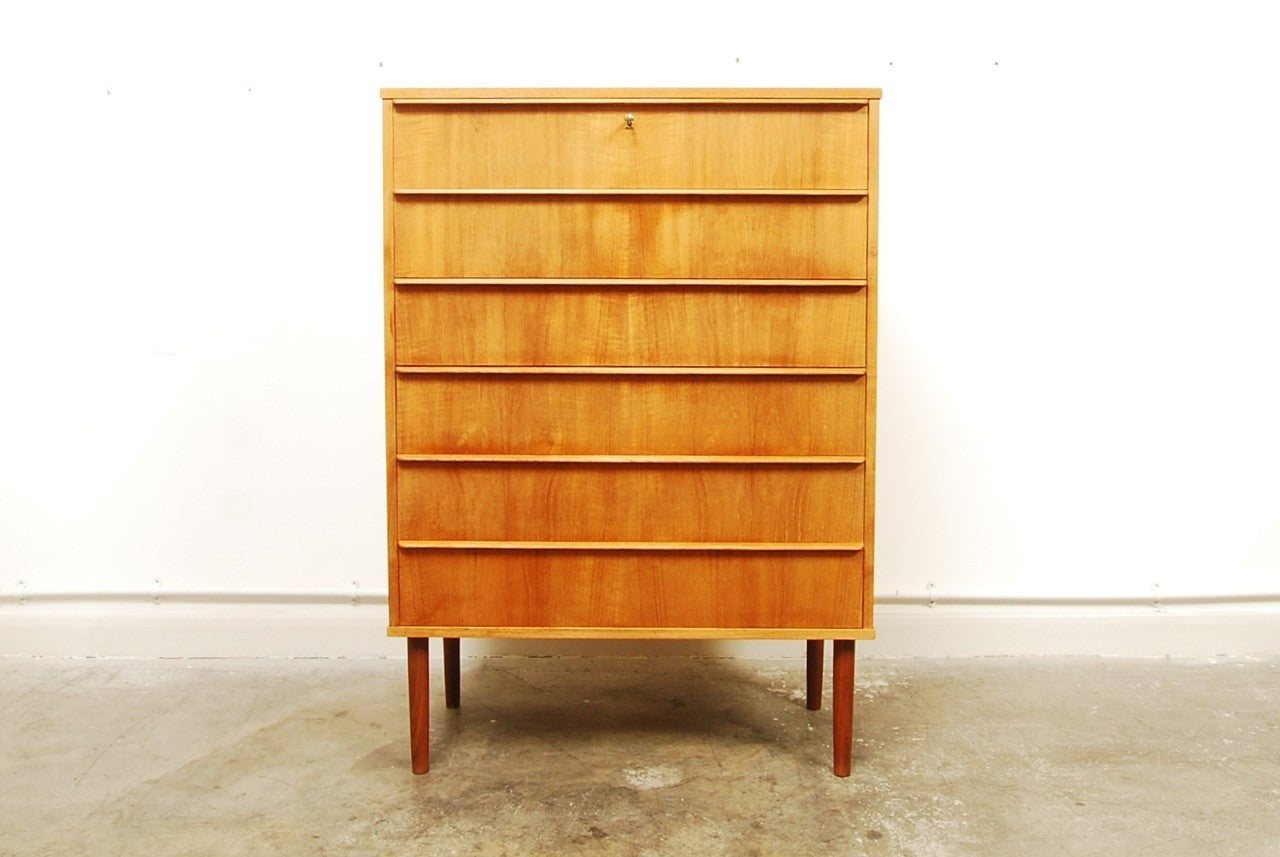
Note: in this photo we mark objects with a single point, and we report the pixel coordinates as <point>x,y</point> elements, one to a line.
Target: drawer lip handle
<point>681,283</point>
<point>661,460</point>
<point>682,547</point>
<point>748,192</point>
<point>744,371</point>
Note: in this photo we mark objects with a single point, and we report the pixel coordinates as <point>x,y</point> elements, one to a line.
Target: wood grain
<point>528,458</point>
<point>642,371</point>
<point>637,632</point>
<point>389,338</point>
<point>842,670</point>
<point>469,325</point>
<point>791,146</point>
<point>689,415</point>
<point>664,546</point>
<point>554,590</point>
<point>419,704</point>
<point>577,502</point>
<point>813,674</point>
<point>872,318</point>
<point>624,193</point>
<point>452,672</point>
<point>631,371</point>
<point>519,236</point>
<point>853,97</point>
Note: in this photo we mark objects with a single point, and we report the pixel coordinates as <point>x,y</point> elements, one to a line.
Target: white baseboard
<point>67,628</point>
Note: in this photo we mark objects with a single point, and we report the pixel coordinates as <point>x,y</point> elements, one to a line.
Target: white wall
<point>1080,379</point>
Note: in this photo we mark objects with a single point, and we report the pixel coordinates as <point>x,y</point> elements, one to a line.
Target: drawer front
<point>628,589</point>
<point>630,502</point>
<point>581,146</point>
<point>660,236</point>
<point>455,324</point>
<point>549,414</point>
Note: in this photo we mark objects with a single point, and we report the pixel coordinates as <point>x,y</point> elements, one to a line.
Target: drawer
<point>686,414</point>
<point>486,501</point>
<point>639,236</point>
<point>589,146</point>
<point>563,325</point>
<point>629,589</point>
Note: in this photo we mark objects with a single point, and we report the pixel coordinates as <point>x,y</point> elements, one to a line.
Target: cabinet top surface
<point>690,94</point>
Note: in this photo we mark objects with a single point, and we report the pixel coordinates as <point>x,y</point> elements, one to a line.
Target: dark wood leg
<point>813,674</point>
<point>842,705</point>
<point>419,705</point>
<point>452,668</point>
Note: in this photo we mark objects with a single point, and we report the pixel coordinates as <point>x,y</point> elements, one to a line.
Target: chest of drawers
<point>630,370</point>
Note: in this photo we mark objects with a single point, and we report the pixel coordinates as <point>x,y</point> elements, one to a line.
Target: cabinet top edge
<point>630,94</point>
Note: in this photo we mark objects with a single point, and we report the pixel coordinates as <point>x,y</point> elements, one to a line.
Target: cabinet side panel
<point>623,589</point>
<point>389,323</point>
<point>873,291</point>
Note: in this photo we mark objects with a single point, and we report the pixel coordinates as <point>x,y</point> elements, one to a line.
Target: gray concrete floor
<point>640,756</point>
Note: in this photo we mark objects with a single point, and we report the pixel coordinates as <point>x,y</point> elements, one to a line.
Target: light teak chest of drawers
<point>631,370</point>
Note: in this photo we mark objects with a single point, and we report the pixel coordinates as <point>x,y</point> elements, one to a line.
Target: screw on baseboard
<point>155,593</point>
<point>22,592</point>
<point>1156,603</point>
<point>933,601</point>
<point>355,593</point>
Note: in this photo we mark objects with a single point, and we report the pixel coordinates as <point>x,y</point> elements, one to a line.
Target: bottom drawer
<point>468,587</point>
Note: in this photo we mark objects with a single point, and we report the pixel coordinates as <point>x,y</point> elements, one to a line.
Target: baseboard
<point>128,628</point>
<point>1188,629</point>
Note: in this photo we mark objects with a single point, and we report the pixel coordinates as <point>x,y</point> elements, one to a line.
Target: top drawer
<point>693,146</point>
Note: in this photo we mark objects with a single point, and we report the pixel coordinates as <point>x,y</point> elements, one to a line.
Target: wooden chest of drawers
<point>630,370</point>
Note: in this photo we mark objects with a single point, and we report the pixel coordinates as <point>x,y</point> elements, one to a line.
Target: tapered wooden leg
<point>452,662</point>
<point>813,674</point>
<point>842,705</point>
<point>419,707</point>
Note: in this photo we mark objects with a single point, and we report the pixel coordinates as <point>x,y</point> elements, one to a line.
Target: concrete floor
<point>628,756</point>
